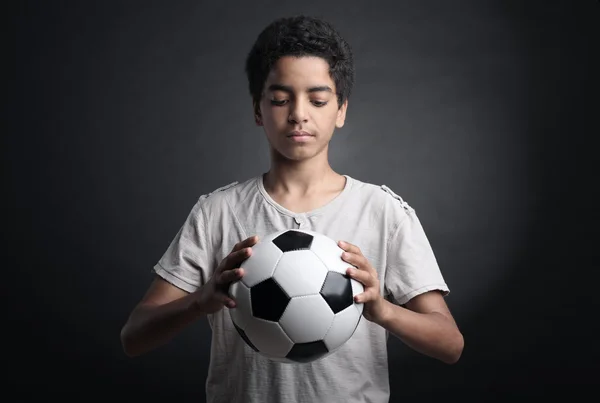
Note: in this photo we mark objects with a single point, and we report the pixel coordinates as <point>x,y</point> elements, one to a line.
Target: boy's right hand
<point>213,295</point>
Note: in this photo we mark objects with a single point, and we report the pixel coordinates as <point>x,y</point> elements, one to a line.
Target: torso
<point>254,378</point>
<point>359,213</point>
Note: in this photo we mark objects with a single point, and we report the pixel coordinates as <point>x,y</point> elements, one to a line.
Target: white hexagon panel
<point>307,319</point>
<point>300,272</point>
<point>343,327</point>
<point>261,264</point>
<point>330,254</point>
<point>268,337</point>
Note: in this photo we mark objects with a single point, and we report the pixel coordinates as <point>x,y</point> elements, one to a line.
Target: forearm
<point>150,326</point>
<point>432,334</point>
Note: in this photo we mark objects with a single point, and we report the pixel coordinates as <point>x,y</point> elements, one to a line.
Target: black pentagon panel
<point>245,337</point>
<point>337,291</point>
<point>293,240</point>
<point>268,300</point>
<point>307,352</point>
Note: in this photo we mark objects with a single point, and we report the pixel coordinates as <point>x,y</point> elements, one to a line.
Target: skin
<point>299,94</point>
<point>295,99</point>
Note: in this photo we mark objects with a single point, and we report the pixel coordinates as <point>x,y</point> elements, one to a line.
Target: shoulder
<point>396,199</point>
<point>227,194</point>
<point>383,196</point>
<point>218,193</point>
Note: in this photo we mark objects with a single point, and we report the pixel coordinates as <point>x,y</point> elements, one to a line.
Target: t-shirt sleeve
<point>185,262</point>
<point>412,268</point>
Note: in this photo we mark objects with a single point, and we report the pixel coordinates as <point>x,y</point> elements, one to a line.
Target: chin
<point>282,149</point>
<point>297,154</point>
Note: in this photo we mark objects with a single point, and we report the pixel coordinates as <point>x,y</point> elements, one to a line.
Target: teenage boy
<point>300,73</point>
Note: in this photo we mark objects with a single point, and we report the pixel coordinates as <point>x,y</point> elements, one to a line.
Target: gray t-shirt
<point>373,217</point>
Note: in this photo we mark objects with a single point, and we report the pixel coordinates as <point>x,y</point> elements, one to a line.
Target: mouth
<point>300,134</point>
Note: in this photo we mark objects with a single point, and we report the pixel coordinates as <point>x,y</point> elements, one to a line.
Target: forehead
<point>300,72</point>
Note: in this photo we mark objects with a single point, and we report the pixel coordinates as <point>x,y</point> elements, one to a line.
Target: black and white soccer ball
<point>295,302</point>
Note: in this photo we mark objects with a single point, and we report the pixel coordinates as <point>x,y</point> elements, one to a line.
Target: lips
<point>300,133</point>
<point>300,137</point>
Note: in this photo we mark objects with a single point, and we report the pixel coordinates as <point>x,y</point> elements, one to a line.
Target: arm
<point>166,310</point>
<point>425,324</point>
<point>163,312</point>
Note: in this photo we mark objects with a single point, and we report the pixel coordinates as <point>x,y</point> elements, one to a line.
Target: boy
<point>300,74</point>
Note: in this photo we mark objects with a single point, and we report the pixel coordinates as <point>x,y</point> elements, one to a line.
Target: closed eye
<point>276,102</point>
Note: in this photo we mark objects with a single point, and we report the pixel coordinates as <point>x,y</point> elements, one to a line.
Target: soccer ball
<point>295,302</point>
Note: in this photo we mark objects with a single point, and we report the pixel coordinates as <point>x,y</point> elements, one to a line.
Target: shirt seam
<point>235,216</point>
<point>206,236</point>
<point>392,235</point>
<point>394,232</point>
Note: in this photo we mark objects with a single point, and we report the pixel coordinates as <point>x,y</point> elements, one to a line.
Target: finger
<point>228,302</point>
<point>360,262</point>
<point>362,276</point>
<point>229,276</point>
<point>363,297</point>
<point>348,247</point>
<point>248,242</point>
<point>234,259</point>
<point>348,257</point>
<point>355,260</point>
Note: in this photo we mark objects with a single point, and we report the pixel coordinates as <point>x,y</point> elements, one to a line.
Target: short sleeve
<point>412,268</point>
<point>185,262</point>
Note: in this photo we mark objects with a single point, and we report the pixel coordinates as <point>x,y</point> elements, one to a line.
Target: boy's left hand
<point>363,272</point>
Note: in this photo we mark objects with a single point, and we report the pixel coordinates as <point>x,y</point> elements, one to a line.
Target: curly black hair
<point>300,36</point>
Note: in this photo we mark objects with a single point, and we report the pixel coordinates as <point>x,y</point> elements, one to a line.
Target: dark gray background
<point>121,114</point>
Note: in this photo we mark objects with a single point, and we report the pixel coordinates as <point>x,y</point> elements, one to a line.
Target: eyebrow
<point>285,88</point>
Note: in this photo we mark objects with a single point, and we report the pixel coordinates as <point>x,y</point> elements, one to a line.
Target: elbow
<point>454,351</point>
<point>127,343</point>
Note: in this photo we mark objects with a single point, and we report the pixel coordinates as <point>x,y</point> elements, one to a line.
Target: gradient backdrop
<point>123,113</point>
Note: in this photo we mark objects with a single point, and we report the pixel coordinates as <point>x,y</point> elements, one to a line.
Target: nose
<point>298,112</point>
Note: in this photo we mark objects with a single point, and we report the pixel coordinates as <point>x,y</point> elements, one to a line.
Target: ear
<point>341,115</point>
<point>257,113</point>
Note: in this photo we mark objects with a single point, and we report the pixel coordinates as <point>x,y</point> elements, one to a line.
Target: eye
<point>277,102</point>
<point>319,103</point>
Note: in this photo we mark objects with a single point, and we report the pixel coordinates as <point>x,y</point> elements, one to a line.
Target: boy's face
<point>300,96</point>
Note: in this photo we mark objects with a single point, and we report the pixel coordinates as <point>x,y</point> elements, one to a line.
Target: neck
<point>299,178</point>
